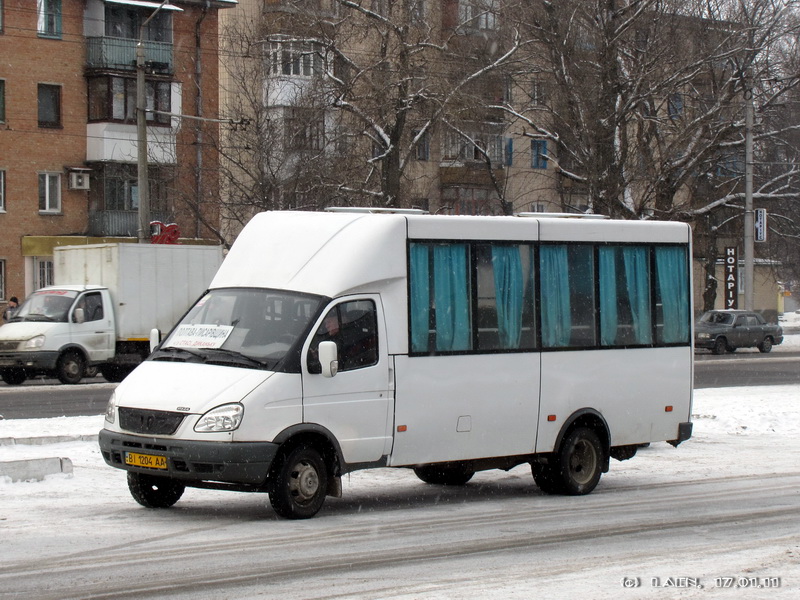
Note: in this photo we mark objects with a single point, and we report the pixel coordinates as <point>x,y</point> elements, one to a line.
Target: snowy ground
<point>737,432</point>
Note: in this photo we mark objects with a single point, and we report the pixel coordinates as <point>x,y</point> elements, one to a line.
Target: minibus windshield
<point>252,328</point>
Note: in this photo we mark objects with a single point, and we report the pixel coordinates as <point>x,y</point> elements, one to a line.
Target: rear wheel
<point>13,376</point>
<point>445,474</point>
<point>765,346</point>
<point>154,492</point>
<point>70,367</point>
<point>576,468</point>
<point>720,346</point>
<point>115,373</point>
<point>300,484</point>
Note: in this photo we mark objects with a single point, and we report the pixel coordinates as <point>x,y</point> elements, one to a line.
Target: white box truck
<point>330,342</point>
<point>105,300</point>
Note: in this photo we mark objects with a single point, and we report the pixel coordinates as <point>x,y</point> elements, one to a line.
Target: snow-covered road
<point>723,506</point>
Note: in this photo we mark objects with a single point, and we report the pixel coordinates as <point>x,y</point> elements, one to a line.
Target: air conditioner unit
<point>78,181</point>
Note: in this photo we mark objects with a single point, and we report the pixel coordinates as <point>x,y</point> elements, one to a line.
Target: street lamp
<point>141,133</point>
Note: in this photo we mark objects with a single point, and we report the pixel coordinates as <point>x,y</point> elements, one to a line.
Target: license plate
<point>150,461</point>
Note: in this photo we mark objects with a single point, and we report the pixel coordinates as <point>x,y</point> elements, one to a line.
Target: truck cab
<point>58,331</point>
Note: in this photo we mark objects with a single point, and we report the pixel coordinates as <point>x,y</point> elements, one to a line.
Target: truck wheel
<point>14,376</point>
<point>300,484</point>
<point>70,368</point>
<point>114,373</point>
<point>576,468</point>
<point>154,492</point>
<point>765,346</point>
<point>720,346</point>
<point>452,474</point>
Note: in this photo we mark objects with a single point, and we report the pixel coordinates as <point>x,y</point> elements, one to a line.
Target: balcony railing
<point>120,53</point>
<point>119,222</point>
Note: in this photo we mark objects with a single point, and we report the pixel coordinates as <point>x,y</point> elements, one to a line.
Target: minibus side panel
<point>465,406</point>
<point>636,408</point>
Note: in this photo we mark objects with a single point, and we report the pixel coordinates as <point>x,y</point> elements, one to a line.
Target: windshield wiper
<point>175,349</point>
<point>239,357</point>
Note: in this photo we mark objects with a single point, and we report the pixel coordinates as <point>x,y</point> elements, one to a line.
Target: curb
<point>35,469</point>
<point>47,439</point>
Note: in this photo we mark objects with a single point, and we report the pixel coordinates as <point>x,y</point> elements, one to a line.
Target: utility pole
<point>749,225</point>
<point>141,133</point>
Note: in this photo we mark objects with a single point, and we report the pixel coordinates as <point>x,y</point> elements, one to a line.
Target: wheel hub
<point>304,482</point>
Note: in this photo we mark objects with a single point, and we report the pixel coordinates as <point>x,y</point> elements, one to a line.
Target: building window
<point>305,129</point>
<point>539,154</point>
<point>473,146</point>
<point>675,106</point>
<point>538,96</point>
<point>2,191</point>
<point>124,22</point>
<point>478,14</point>
<point>295,58</point>
<point>114,99</point>
<point>49,105</point>
<point>49,18</point>
<point>423,146</point>
<point>2,99</point>
<point>50,192</point>
<point>43,272</point>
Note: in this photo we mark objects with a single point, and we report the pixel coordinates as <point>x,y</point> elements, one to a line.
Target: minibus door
<point>355,405</point>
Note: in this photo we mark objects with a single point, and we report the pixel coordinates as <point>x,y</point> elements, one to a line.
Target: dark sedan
<point>726,330</point>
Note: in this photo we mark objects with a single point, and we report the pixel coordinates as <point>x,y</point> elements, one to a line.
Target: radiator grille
<point>153,422</point>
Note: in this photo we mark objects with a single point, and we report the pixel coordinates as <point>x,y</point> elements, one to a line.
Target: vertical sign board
<point>732,277</point>
<point>760,224</point>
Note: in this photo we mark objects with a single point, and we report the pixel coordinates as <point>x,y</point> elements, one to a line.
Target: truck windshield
<point>246,327</point>
<point>46,305</point>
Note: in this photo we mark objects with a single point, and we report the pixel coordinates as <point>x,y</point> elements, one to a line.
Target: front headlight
<point>703,336</point>
<point>33,343</point>
<point>223,418</point>
<point>111,408</point>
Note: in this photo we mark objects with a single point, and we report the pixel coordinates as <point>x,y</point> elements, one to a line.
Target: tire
<point>765,346</point>
<point>576,468</point>
<point>14,376</point>
<point>154,492</point>
<point>300,483</point>
<point>91,371</point>
<point>114,373</point>
<point>444,474</point>
<point>720,346</point>
<point>70,367</point>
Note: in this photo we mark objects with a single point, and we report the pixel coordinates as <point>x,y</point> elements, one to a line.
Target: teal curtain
<point>609,316</point>
<point>673,287</point>
<point>507,267</point>
<point>555,301</point>
<point>638,287</point>
<point>420,296</point>
<point>451,297</point>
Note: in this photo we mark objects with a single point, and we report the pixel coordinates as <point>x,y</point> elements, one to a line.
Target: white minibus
<point>335,341</point>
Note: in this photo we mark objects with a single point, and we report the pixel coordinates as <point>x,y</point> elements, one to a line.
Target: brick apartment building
<point>68,136</point>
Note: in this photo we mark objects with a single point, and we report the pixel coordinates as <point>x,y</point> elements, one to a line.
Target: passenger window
<point>92,305</point>
<point>353,326</point>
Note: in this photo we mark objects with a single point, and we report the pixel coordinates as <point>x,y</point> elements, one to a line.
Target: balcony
<point>123,223</point>
<point>120,53</point>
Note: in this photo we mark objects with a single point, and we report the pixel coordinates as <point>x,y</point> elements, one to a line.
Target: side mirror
<point>155,339</point>
<point>78,316</point>
<point>328,358</point>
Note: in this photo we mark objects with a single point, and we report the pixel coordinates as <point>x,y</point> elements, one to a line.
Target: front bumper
<point>30,361</point>
<point>242,463</point>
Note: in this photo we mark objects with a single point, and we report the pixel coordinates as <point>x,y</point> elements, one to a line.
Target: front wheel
<point>154,492</point>
<point>14,376</point>
<point>765,346</point>
<point>300,484</point>
<point>70,368</point>
<point>576,468</point>
<point>445,474</point>
<point>720,346</point>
